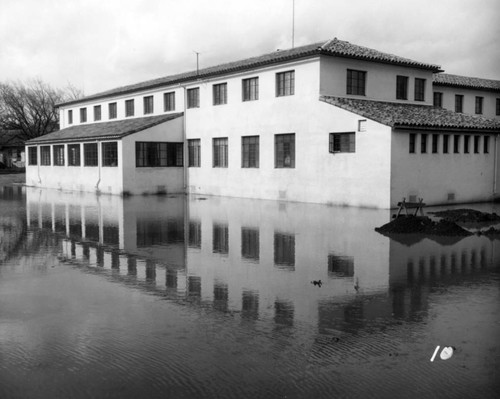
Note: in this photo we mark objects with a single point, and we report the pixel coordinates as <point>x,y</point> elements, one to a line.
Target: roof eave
<point>400,126</point>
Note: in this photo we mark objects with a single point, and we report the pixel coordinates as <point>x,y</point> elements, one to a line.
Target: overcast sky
<point>100,44</point>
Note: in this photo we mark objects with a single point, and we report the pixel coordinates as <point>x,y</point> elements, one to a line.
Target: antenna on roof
<point>293,23</point>
<point>197,63</point>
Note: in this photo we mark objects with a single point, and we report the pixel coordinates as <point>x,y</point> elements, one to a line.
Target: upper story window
<point>110,153</point>
<point>342,142</point>
<point>356,82</point>
<point>413,140</point>
<point>169,101</point>
<point>83,115</point>
<point>97,112</point>
<point>70,116</point>
<point>479,105</point>
<point>419,89</point>
<point>148,105</point>
<point>284,150</point>
<point>193,98</point>
<point>129,108</point>
<point>402,87</point>
<point>438,99</point>
<point>32,156</point>
<point>250,89</point>
<point>459,103</point>
<point>220,94</point>
<point>285,84</point>
<point>194,153</point>
<point>423,143</point>
<point>112,110</point>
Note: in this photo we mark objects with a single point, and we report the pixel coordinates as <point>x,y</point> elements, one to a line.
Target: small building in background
<point>12,151</point>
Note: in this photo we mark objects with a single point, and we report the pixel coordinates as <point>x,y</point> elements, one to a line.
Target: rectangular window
<point>459,103</point>
<point>402,87</point>
<point>413,140</point>
<point>284,150</point>
<point>284,249</point>
<point>476,144</point>
<point>110,153</point>
<point>58,151</point>
<point>32,156</point>
<point>129,108</point>
<point>83,115</point>
<point>193,98</point>
<point>73,154</point>
<point>97,112</point>
<point>498,107</point>
<point>362,125</point>
<point>149,154</point>
<point>175,154</point>
<point>220,152</point>
<point>194,153</point>
<point>419,89</point>
<point>435,141</point>
<point>342,142</point>
<point>438,99</point>
<point>220,94</point>
<point>148,105</point>
<point>90,154</point>
<point>486,144</point>
<point>45,155</point>
<point>423,143</point>
<point>285,84</point>
<point>466,144</point>
<point>70,116</point>
<point>250,243</point>
<point>112,110</point>
<point>456,143</point>
<point>250,89</point>
<point>446,139</point>
<point>356,82</point>
<point>220,238</point>
<point>169,101</point>
<point>479,105</point>
<point>250,152</point>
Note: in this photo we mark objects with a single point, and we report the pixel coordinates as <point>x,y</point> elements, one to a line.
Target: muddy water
<point>177,297</point>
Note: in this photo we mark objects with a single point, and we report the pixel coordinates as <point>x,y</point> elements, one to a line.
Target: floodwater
<point>192,297</point>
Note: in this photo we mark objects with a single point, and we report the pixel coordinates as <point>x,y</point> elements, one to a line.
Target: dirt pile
<point>422,225</point>
<point>466,216</point>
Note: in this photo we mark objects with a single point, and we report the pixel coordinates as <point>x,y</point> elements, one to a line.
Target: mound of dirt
<point>466,216</point>
<point>422,225</point>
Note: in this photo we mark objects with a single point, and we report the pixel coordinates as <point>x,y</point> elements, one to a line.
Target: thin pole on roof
<point>197,63</point>
<point>293,23</point>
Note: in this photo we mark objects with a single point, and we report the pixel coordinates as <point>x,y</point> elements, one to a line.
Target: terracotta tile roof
<point>446,79</point>
<point>104,130</point>
<point>398,115</point>
<point>332,47</point>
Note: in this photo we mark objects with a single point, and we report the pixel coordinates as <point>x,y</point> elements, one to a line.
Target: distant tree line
<point>30,108</point>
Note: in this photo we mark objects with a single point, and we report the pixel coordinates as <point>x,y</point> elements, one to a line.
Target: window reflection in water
<point>220,239</point>
<point>250,244</point>
<point>284,250</point>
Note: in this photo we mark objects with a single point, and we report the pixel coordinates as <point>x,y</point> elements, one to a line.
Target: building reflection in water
<point>259,258</point>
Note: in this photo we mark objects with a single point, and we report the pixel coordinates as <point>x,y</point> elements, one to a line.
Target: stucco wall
<point>158,179</point>
<point>469,104</point>
<point>433,177</point>
<point>107,180</point>
<point>380,79</point>
<point>360,178</point>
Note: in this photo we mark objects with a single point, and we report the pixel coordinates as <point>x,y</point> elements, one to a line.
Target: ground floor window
<point>413,140</point>
<point>194,155</point>
<point>32,156</point>
<point>446,138</point>
<point>150,154</point>
<point>74,154</point>
<point>250,152</point>
<point>486,144</point>
<point>90,154</point>
<point>284,150</point>
<point>58,155</point>
<point>110,154</point>
<point>220,152</point>
<point>45,155</point>
<point>342,142</point>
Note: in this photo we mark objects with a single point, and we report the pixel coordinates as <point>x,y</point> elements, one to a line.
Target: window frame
<point>459,103</point>
<point>250,89</point>
<point>129,108</point>
<point>477,139</point>
<point>466,143</point>
<point>486,144</point>
<point>58,154</point>
<point>497,107</point>
<point>478,105</point>
<point>90,154</point>
<point>412,143</point>
<point>280,155</point>
<point>250,152</point>
<point>109,154</point>
<point>97,113</point>
<point>193,98</point>
<point>435,143</point>
<point>112,110</point>
<point>148,105</point>
<point>356,82</point>
<point>285,83</point>
<point>401,87</point>
<point>45,155</point>
<point>220,152</point>
<point>169,101</point>
<point>437,99</point>
<point>194,153</point>
<point>76,159</point>
<point>83,115</point>
<point>446,143</point>
<point>419,92</point>
<point>70,116</point>
<point>219,93</point>
<point>33,155</point>
<point>456,144</point>
<point>423,143</point>
<point>342,142</point>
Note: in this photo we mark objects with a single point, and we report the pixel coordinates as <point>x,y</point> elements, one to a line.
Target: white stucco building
<point>331,123</point>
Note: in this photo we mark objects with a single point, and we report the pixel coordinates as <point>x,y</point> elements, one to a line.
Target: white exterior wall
<point>360,178</point>
<point>469,104</point>
<point>105,179</point>
<point>470,177</point>
<point>147,180</point>
<point>380,80</point>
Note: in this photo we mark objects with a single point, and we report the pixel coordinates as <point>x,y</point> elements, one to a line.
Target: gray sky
<point>101,44</point>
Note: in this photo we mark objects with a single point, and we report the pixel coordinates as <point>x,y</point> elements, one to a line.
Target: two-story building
<point>331,123</point>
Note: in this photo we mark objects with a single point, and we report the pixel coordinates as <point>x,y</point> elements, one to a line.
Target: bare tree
<point>30,109</point>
